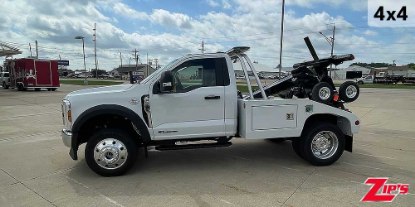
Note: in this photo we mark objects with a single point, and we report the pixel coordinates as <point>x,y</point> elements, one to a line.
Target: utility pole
<point>30,48</point>
<point>120,60</point>
<point>37,50</point>
<point>202,47</point>
<point>136,58</point>
<point>281,36</point>
<point>331,42</point>
<point>332,47</point>
<point>147,66</point>
<point>156,60</point>
<point>95,49</point>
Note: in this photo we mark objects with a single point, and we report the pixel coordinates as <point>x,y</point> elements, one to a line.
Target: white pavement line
<point>100,194</point>
<point>31,135</point>
<point>25,115</point>
<point>391,158</point>
<point>53,173</point>
<point>289,168</point>
<point>227,202</point>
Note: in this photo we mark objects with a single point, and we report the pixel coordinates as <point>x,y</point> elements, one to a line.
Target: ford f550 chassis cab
<point>192,103</point>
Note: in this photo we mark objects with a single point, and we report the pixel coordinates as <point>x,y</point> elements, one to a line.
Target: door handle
<point>211,97</point>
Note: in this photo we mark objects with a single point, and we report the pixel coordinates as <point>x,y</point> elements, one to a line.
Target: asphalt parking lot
<point>36,170</point>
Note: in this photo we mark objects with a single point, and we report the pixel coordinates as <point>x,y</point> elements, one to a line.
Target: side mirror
<point>166,82</point>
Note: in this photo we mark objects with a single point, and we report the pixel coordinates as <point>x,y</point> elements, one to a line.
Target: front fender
<point>106,109</point>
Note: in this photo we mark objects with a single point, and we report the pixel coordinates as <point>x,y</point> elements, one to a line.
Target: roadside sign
<point>63,62</point>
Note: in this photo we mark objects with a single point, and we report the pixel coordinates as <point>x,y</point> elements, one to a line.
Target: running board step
<point>192,146</point>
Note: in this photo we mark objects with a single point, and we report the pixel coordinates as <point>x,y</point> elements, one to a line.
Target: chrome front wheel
<point>110,153</point>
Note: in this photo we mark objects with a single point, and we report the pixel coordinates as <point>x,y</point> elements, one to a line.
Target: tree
<point>412,66</point>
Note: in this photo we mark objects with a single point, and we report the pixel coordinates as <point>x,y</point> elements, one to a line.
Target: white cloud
<point>170,19</point>
<point>226,4</point>
<point>357,5</point>
<point>370,33</point>
<point>125,10</point>
<point>212,3</point>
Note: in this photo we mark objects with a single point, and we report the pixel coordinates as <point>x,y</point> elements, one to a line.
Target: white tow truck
<point>193,103</point>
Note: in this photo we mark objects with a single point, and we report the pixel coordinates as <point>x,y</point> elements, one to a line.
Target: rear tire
<point>111,152</point>
<point>20,87</point>
<point>296,143</point>
<point>322,144</point>
<point>5,86</point>
<point>349,91</point>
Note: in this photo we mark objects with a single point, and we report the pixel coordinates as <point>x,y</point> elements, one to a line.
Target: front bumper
<point>67,137</point>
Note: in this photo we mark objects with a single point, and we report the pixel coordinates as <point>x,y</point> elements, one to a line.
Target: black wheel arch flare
<point>104,110</point>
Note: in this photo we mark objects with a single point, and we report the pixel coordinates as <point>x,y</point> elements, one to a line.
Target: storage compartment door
<point>43,73</point>
<point>274,117</point>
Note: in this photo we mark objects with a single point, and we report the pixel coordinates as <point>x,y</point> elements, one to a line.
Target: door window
<point>199,73</point>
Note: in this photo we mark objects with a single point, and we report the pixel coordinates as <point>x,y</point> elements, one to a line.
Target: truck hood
<point>105,89</point>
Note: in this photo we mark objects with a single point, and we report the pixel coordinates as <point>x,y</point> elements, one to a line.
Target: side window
<point>199,73</point>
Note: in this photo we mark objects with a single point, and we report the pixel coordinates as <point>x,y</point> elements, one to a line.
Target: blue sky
<point>167,29</point>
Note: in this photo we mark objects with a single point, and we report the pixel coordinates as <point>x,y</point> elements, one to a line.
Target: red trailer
<point>28,73</point>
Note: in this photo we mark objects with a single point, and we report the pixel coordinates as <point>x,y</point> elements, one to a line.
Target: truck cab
<point>365,80</point>
<point>191,103</point>
<point>5,79</point>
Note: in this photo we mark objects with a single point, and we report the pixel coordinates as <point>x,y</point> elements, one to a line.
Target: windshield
<point>159,71</point>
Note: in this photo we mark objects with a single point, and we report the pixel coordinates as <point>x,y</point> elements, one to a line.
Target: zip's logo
<point>382,191</point>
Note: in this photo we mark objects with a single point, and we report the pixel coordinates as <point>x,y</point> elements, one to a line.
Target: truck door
<point>195,108</point>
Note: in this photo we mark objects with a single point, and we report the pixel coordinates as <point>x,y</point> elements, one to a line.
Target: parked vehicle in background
<point>28,73</point>
<point>5,80</point>
<point>384,77</point>
<point>410,77</point>
<point>365,80</point>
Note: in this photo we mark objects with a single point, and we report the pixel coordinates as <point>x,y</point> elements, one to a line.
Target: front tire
<point>110,152</point>
<point>5,86</point>
<point>322,144</point>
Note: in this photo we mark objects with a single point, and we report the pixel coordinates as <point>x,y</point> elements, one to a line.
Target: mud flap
<point>349,143</point>
<point>73,154</point>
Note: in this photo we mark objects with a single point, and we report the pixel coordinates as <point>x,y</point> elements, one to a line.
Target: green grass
<point>90,82</point>
<point>244,88</point>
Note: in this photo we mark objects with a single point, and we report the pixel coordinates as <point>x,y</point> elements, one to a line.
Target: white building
<point>352,72</point>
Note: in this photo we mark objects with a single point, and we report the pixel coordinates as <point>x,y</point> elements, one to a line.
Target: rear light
<point>357,122</point>
<point>336,97</point>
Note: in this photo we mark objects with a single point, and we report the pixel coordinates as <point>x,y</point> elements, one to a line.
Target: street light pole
<point>281,36</point>
<point>95,50</point>
<point>83,50</point>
